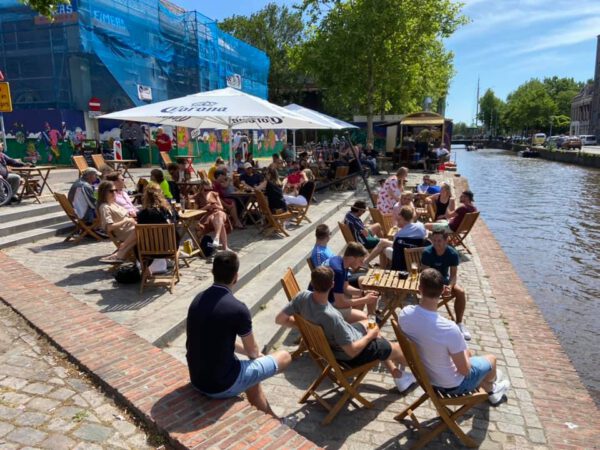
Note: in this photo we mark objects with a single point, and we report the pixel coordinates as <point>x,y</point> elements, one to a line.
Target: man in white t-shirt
<point>442,348</point>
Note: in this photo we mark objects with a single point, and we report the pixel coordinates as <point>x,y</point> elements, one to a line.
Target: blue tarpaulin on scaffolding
<point>155,44</point>
<point>112,49</point>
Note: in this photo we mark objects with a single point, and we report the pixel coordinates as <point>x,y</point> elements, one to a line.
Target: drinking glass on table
<point>414,271</point>
<point>377,276</point>
<point>372,322</point>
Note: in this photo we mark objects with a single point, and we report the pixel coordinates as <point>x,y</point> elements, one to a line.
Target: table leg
<point>391,306</point>
<point>25,176</point>
<point>126,172</point>
<point>45,182</point>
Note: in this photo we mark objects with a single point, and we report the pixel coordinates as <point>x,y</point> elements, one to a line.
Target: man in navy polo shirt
<point>347,298</point>
<point>445,259</point>
<point>215,320</point>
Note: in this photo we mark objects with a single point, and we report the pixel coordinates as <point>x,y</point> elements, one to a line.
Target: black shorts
<point>354,276</point>
<point>378,348</point>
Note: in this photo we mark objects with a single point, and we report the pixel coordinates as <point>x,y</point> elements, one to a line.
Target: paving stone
<point>7,413</point>
<point>93,432</point>
<point>37,388</point>
<point>57,441</point>
<point>31,419</point>
<point>26,436</point>
<point>13,383</point>
<point>43,404</point>
<point>61,394</point>
<point>5,428</point>
<point>536,435</point>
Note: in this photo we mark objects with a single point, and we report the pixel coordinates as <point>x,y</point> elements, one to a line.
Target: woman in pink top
<point>391,191</point>
<point>121,196</point>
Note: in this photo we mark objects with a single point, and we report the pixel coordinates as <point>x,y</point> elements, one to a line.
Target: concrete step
<point>22,211</point>
<point>28,236</point>
<point>259,259</point>
<point>9,228</point>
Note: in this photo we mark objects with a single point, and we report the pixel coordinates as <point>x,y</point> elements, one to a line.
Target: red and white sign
<point>94,104</point>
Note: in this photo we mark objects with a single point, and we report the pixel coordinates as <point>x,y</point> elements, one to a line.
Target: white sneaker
<point>464,331</point>
<point>500,389</point>
<point>499,375</point>
<point>405,381</point>
<point>289,421</point>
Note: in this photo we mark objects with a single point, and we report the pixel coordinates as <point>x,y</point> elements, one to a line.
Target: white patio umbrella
<point>331,122</point>
<point>222,109</point>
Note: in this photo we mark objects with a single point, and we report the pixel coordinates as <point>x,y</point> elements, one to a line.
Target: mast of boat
<point>477,106</point>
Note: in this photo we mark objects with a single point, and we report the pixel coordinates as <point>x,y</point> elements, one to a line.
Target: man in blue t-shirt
<point>215,320</point>
<point>445,259</point>
<point>345,297</point>
<point>321,252</point>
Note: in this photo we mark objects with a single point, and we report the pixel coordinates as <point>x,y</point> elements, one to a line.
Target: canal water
<point>546,216</point>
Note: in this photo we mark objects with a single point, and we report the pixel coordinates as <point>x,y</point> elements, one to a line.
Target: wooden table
<point>123,164</point>
<point>31,188</point>
<point>187,220</point>
<point>390,283</point>
<point>248,199</point>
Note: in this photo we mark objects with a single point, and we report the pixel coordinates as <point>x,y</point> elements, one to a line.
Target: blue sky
<point>506,43</point>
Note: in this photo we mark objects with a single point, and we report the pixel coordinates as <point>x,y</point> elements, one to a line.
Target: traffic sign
<point>94,104</point>
<point>5,101</point>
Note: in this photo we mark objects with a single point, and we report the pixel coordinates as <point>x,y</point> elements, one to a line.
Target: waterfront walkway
<point>547,406</point>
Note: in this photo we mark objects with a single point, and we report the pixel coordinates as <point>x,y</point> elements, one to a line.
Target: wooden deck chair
<point>157,241</point>
<point>458,237</point>
<point>413,255</point>
<point>340,172</point>
<point>374,198</point>
<point>98,160</point>
<point>81,228</point>
<point>301,211</point>
<point>273,221</point>
<point>346,232</point>
<point>385,220</point>
<point>345,379</point>
<point>441,402</point>
<point>201,173</point>
<point>80,163</point>
<point>166,158</point>
<point>292,288</point>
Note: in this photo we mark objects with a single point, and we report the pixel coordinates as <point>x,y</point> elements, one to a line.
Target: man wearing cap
<point>250,177</point>
<point>370,236</point>
<point>13,179</point>
<point>455,217</point>
<point>81,195</point>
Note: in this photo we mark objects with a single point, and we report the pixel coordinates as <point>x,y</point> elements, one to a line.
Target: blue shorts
<point>480,367</point>
<point>252,372</point>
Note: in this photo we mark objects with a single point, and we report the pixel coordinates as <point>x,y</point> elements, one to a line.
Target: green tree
<point>45,7</point>
<point>530,107</point>
<point>376,56</point>
<point>560,124</point>
<point>275,30</point>
<point>562,91</point>
<point>490,110</point>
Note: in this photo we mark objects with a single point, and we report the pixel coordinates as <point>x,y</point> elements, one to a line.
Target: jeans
<point>14,180</point>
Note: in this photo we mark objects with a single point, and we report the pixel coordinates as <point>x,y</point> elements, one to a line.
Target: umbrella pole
<point>294,140</point>
<point>230,149</point>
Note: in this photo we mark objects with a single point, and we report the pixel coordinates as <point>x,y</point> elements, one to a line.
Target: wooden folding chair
<point>166,158</point>
<point>374,198</point>
<point>346,232</point>
<point>441,402</point>
<point>385,220</point>
<point>273,221</point>
<point>157,241</point>
<point>413,255</point>
<point>345,379</point>
<point>292,288</point>
<point>201,173</point>
<point>98,160</point>
<point>301,211</point>
<point>81,227</point>
<point>80,163</point>
<point>340,172</point>
<point>458,237</point>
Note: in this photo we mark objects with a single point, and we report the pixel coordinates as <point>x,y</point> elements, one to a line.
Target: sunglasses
<point>112,190</point>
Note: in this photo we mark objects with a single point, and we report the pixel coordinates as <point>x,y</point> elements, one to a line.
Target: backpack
<point>206,244</point>
<point>128,274</point>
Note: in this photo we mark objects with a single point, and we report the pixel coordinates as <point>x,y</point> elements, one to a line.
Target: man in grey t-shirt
<point>353,344</point>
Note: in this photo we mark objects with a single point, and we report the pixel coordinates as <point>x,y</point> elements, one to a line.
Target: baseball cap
<point>89,171</point>
<point>247,165</point>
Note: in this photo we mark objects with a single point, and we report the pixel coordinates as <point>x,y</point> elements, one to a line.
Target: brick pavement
<point>45,402</point>
<point>153,384</point>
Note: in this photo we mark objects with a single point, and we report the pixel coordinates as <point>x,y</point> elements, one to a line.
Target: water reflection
<point>546,216</point>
